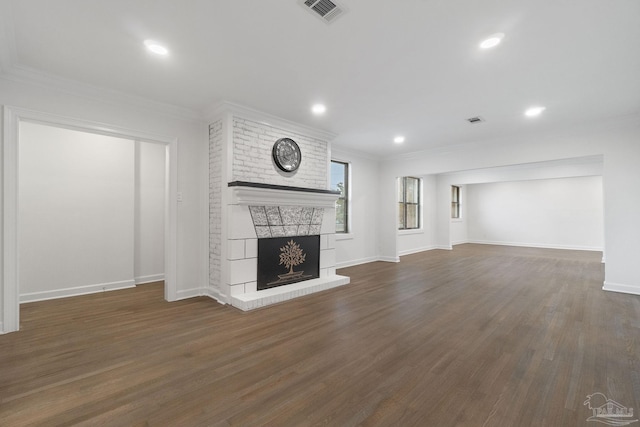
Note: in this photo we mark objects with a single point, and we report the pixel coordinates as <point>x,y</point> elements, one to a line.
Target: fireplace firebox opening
<point>286,260</point>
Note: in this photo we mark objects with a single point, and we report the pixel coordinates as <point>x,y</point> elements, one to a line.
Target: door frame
<point>12,116</point>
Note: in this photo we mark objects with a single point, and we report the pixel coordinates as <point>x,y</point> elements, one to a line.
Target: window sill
<point>406,232</point>
<point>344,236</point>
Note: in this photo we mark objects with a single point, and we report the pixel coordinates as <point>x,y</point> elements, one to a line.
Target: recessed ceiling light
<point>534,111</point>
<point>156,47</point>
<point>318,109</point>
<point>493,41</point>
<point>398,139</point>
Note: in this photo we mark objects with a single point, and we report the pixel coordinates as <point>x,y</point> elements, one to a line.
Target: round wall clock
<point>286,154</point>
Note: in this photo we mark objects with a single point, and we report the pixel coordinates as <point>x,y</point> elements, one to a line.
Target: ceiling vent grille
<point>326,10</point>
<point>474,120</point>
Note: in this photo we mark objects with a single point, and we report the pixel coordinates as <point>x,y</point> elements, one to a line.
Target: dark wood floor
<point>477,336</point>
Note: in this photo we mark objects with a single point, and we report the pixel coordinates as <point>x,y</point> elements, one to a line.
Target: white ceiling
<point>410,67</point>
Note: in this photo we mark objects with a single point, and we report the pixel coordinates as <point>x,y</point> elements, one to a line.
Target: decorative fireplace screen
<point>285,260</point>
<point>288,244</point>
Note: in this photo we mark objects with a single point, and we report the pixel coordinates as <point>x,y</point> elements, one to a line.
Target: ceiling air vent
<point>326,10</point>
<point>476,119</point>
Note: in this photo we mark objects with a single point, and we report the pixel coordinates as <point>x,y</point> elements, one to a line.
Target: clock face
<point>286,154</point>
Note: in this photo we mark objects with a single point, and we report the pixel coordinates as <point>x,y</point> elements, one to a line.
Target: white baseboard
<point>617,287</point>
<point>355,262</point>
<point>149,279</point>
<point>76,291</point>
<point>189,293</point>
<point>417,250</point>
<point>443,247</point>
<point>538,245</point>
<point>389,259</point>
<point>216,295</point>
<point>199,292</point>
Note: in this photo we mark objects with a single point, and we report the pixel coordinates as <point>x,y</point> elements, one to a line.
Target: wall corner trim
<point>189,293</point>
<point>216,295</point>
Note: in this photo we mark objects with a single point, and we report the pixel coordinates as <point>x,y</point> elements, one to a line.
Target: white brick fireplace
<point>244,179</point>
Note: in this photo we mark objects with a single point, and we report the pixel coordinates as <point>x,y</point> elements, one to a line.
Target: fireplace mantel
<point>251,200</point>
<point>251,193</point>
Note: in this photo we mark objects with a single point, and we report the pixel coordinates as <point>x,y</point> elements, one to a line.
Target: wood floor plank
<point>478,336</point>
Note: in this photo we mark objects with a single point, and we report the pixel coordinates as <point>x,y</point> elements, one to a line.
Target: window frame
<point>456,205</point>
<point>402,188</point>
<point>346,197</point>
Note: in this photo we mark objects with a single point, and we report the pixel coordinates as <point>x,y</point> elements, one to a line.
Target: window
<point>408,203</point>
<point>340,182</point>
<point>455,201</point>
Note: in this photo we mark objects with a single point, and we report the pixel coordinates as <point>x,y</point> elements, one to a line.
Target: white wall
<point>360,244</point>
<point>564,213</point>
<point>76,231</point>
<point>141,117</point>
<point>149,211</point>
<point>91,212</point>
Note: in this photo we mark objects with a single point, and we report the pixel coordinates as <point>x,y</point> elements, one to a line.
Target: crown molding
<point>31,76</point>
<point>225,107</point>
<point>7,38</point>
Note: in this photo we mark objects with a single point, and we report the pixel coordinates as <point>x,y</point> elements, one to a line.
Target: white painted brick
<point>328,221</point>
<point>251,161</point>
<point>323,242</point>
<point>242,271</point>
<point>237,289</point>
<point>331,241</point>
<point>251,287</point>
<point>327,258</point>
<point>235,249</point>
<point>242,225</point>
<point>251,248</point>
<point>252,144</point>
<point>215,205</point>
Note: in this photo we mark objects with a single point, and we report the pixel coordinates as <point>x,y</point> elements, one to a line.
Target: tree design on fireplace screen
<point>286,260</point>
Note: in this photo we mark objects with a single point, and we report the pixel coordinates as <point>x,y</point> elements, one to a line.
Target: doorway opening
<point>13,118</point>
